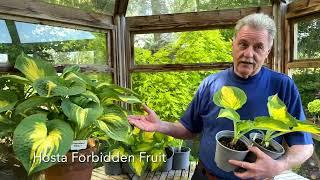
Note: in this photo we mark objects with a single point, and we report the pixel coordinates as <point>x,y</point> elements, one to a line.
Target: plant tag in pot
<point>78,145</point>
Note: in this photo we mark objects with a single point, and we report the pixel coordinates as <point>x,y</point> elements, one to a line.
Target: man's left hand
<point>263,167</point>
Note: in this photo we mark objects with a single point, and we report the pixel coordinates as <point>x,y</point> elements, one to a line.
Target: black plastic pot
<point>167,166</point>
<point>273,154</point>
<point>181,158</point>
<point>112,168</point>
<point>126,169</point>
<point>224,154</point>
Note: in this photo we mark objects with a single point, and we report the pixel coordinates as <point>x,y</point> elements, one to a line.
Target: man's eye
<point>242,45</point>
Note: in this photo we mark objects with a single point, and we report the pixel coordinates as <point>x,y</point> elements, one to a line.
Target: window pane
<point>156,7</point>
<point>4,33</point>
<point>183,47</point>
<point>168,93</point>
<point>102,6</point>
<point>55,44</point>
<point>308,39</point>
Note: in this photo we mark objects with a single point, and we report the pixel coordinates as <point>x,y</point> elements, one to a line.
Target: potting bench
<point>98,174</point>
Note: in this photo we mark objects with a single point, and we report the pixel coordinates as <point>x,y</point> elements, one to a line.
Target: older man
<point>250,47</point>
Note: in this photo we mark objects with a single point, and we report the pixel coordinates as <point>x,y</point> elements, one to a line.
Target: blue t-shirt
<point>201,115</point>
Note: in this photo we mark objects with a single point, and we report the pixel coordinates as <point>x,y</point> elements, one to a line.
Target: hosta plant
<point>145,150</point>
<point>45,111</point>
<point>230,99</point>
<point>280,122</point>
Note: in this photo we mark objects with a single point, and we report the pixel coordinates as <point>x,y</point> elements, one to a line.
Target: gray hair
<point>258,21</point>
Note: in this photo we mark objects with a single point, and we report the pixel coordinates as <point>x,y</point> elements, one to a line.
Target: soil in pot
<point>270,148</point>
<point>239,146</point>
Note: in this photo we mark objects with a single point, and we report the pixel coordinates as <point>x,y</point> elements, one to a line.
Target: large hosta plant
<point>45,111</point>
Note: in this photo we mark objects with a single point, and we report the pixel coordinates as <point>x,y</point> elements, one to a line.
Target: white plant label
<point>79,144</point>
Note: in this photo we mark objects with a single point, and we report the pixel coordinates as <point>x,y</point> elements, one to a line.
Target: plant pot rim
<point>242,139</point>
<point>278,145</point>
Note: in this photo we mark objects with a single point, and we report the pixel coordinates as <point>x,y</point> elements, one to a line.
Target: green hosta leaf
<point>147,136</point>
<point>32,102</point>
<point>270,124</point>
<point>138,165</point>
<point>230,97</point>
<point>230,114</point>
<point>142,147</point>
<point>33,68</point>
<point>17,79</point>
<point>7,100</point>
<point>307,127</point>
<point>114,123</point>
<point>278,110</point>
<point>245,126</point>
<point>120,90</point>
<point>72,68</point>
<point>108,96</point>
<point>54,86</point>
<point>78,78</point>
<point>158,158</point>
<point>35,135</point>
<point>118,152</point>
<point>83,117</point>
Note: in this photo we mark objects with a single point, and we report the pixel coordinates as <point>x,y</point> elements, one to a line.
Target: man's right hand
<point>149,122</point>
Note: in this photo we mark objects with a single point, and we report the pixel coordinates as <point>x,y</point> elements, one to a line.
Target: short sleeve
<point>191,118</point>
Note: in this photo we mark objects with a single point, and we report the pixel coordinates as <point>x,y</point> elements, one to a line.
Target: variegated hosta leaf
<point>159,137</point>
<point>34,68</point>
<point>147,136</point>
<point>244,126</point>
<point>8,100</point>
<point>101,87</point>
<point>114,123</point>
<point>270,124</point>
<point>78,78</point>
<point>17,79</point>
<point>278,110</point>
<point>142,147</point>
<point>83,117</point>
<point>35,136</point>
<point>139,164</point>
<point>135,131</point>
<point>55,86</point>
<point>230,114</point>
<point>32,102</point>
<point>307,127</point>
<point>158,159</point>
<point>110,95</point>
<point>230,97</point>
<point>118,152</point>
<point>72,68</point>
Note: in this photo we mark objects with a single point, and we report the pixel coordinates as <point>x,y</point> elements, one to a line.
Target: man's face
<point>249,50</point>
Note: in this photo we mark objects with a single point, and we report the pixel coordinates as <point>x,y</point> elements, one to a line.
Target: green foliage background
<point>169,93</point>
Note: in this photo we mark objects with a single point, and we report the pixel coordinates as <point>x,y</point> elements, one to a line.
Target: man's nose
<point>249,52</point>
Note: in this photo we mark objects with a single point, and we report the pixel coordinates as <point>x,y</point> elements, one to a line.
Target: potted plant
<point>231,144</point>
<point>48,111</point>
<point>279,122</point>
<point>181,156</point>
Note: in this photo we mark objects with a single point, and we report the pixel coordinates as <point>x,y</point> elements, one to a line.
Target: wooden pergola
<point>121,31</point>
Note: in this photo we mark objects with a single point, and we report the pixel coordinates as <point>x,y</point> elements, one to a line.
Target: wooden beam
<point>121,7</point>
<point>86,68</point>
<point>44,13</point>
<point>180,67</point>
<point>13,31</point>
<point>303,8</point>
<point>305,63</point>
<point>175,22</point>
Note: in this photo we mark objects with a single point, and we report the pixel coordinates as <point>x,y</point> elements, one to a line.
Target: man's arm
<point>266,167</point>
<point>151,122</point>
